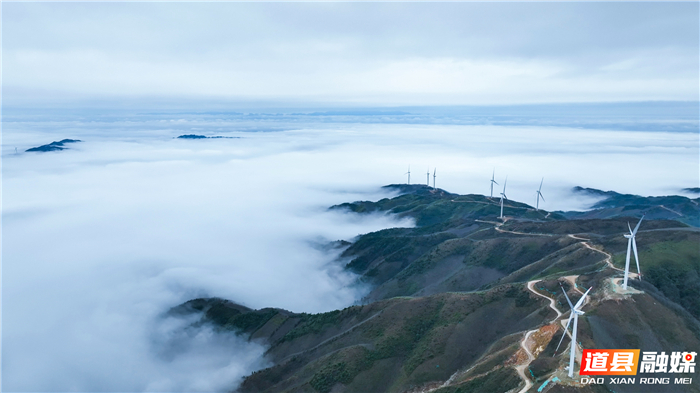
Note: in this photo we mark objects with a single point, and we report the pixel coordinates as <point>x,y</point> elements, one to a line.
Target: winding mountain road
<point>552,302</point>
<point>520,369</point>
<point>608,257</point>
<point>523,344</point>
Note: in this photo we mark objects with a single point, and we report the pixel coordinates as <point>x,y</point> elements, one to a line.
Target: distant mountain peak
<point>53,146</point>
<point>194,136</point>
<point>593,191</point>
<point>614,204</point>
<point>418,189</point>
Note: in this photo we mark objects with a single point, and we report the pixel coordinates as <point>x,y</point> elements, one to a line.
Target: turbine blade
<point>636,257</point>
<point>565,330</point>
<point>541,184</point>
<point>542,196</point>
<point>580,301</point>
<point>637,227</point>
<point>567,297</point>
<point>630,228</point>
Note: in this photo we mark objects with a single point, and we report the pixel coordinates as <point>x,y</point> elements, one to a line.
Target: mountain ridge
<point>461,302</point>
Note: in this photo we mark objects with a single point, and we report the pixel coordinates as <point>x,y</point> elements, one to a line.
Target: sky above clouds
<point>352,53</point>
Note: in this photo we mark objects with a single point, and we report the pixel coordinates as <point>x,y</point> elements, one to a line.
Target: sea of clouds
<point>100,240</point>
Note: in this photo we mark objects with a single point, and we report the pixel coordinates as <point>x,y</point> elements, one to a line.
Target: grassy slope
<point>393,344</point>
<point>449,250</point>
<point>670,260</point>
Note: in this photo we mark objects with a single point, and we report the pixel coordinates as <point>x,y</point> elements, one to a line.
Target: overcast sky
<point>352,53</point>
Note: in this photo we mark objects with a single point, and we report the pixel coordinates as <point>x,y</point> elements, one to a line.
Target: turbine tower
<point>493,181</point>
<point>409,174</point>
<point>539,194</point>
<point>434,176</point>
<point>503,196</point>
<point>427,177</point>
<point>575,312</point>
<point>631,243</point>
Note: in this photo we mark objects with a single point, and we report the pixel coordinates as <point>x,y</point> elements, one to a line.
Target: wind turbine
<point>539,194</point>
<point>493,181</point>
<point>503,196</point>
<point>632,243</point>
<point>427,177</point>
<point>409,174</point>
<point>575,312</point>
<point>434,176</point>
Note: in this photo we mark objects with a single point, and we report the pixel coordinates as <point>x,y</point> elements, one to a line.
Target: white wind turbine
<point>539,194</point>
<point>575,312</point>
<point>409,174</point>
<point>493,181</point>
<point>632,243</point>
<point>427,178</point>
<point>434,176</point>
<point>503,196</point>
